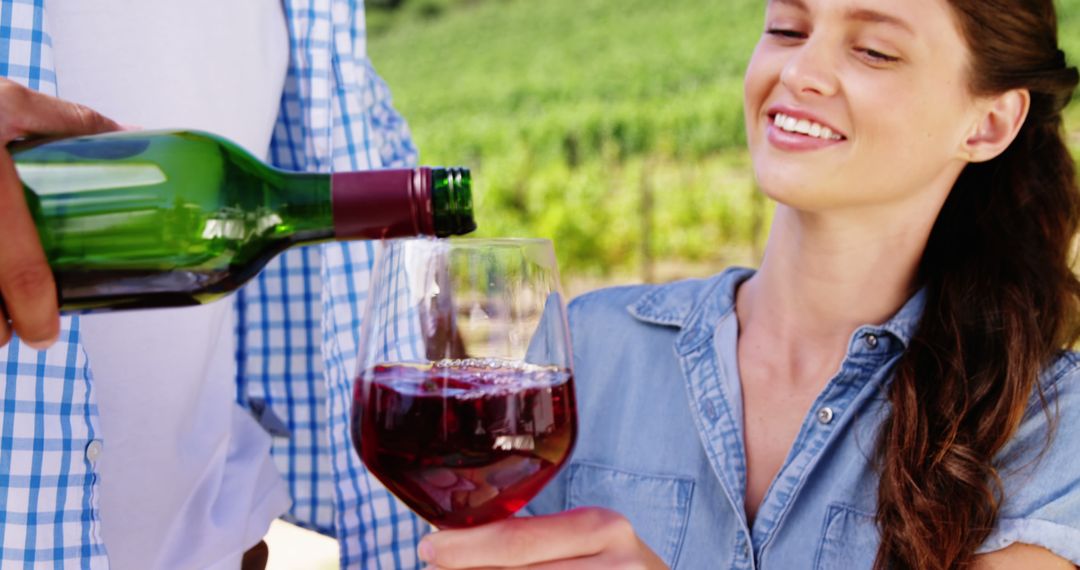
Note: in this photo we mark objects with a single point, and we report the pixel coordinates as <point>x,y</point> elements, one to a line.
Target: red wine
<point>464,442</point>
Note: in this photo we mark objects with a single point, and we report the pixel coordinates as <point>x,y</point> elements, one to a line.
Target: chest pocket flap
<point>849,540</point>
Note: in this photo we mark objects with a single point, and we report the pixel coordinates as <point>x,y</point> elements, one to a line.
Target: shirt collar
<point>905,322</point>
<point>696,305</point>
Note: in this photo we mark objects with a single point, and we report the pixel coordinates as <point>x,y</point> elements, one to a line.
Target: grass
<point>613,127</point>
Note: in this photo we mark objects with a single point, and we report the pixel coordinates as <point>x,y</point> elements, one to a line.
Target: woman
<point>889,389</point>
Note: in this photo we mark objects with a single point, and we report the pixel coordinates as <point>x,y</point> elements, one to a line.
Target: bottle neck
<point>451,201</point>
<point>305,205</point>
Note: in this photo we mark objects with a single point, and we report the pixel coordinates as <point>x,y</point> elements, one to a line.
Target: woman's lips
<point>794,131</point>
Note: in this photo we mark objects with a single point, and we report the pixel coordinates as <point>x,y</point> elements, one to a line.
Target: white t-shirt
<point>186,476</point>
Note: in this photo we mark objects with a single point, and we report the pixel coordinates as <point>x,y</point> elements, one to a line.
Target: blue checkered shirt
<point>297,326</point>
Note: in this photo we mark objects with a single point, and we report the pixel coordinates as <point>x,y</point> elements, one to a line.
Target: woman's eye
<point>786,33</point>
<point>877,56</point>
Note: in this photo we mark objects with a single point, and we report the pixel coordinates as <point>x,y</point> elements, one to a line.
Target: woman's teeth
<point>804,127</point>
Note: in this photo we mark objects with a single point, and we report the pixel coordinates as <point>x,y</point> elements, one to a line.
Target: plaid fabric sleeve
<point>375,530</point>
<point>279,361</point>
<point>48,505</point>
<point>335,114</point>
<point>25,46</point>
<point>48,426</point>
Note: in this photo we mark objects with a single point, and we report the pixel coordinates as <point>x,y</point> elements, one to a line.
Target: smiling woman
<point>893,95</point>
<point>891,389</point>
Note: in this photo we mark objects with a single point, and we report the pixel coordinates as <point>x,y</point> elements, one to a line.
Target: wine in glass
<point>464,401</point>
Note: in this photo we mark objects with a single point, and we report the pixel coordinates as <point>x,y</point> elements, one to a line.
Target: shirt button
<point>825,415</point>
<point>871,340</point>
<point>93,450</point>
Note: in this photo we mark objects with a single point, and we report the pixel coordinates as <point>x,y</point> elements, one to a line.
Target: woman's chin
<point>798,195</point>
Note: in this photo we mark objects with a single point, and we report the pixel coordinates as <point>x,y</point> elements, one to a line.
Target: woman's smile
<point>793,130</point>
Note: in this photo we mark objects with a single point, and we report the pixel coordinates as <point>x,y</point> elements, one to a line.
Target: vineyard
<point>613,127</point>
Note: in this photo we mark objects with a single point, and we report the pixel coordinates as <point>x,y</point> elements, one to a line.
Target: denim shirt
<point>661,439</point>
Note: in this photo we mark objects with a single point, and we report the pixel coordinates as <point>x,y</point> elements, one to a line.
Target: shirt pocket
<point>849,539</point>
<point>658,506</point>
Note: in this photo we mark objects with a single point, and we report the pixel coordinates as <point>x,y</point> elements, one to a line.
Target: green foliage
<point>384,15</point>
<point>573,112</point>
<point>1069,35</point>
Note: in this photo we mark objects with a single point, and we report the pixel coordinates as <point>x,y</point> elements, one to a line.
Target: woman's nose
<point>811,70</point>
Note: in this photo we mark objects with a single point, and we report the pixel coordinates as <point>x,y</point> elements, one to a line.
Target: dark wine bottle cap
<point>402,202</point>
<point>376,204</point>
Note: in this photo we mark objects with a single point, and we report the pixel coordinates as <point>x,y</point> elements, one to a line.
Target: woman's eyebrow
<point>859,14</point>
<point>799,4</point>
<point>875,17</point>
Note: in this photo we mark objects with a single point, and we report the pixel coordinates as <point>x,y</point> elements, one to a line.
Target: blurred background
<point>613,127</point>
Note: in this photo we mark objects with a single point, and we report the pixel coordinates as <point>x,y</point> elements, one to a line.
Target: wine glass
<point>463,404</point>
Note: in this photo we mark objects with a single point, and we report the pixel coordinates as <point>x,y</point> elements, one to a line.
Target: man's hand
<point>26,282</point>
<point>584,538</point>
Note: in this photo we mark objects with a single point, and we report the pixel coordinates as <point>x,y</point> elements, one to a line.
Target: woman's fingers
<point>579,533</point>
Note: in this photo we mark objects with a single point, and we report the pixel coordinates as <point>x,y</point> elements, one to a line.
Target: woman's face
<point>855,103</point>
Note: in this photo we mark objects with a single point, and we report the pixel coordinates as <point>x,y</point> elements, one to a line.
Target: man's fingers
<point>5,330</point>
<point>25,112</point>
<point>527,541</point>
<point>26,281</point>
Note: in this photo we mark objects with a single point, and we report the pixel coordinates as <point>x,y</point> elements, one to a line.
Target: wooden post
<point>645,188</point>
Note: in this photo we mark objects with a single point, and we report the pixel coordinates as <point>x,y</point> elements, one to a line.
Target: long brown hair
<point>1002,301</point>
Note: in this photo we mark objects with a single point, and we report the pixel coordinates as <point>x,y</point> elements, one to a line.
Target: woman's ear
<point>999,121</point>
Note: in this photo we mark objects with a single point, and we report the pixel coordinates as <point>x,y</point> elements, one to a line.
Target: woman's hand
<point>26,282</point>
<point>583,538</point>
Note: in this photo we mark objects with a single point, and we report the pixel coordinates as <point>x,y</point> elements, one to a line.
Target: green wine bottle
<point>174,218</point>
